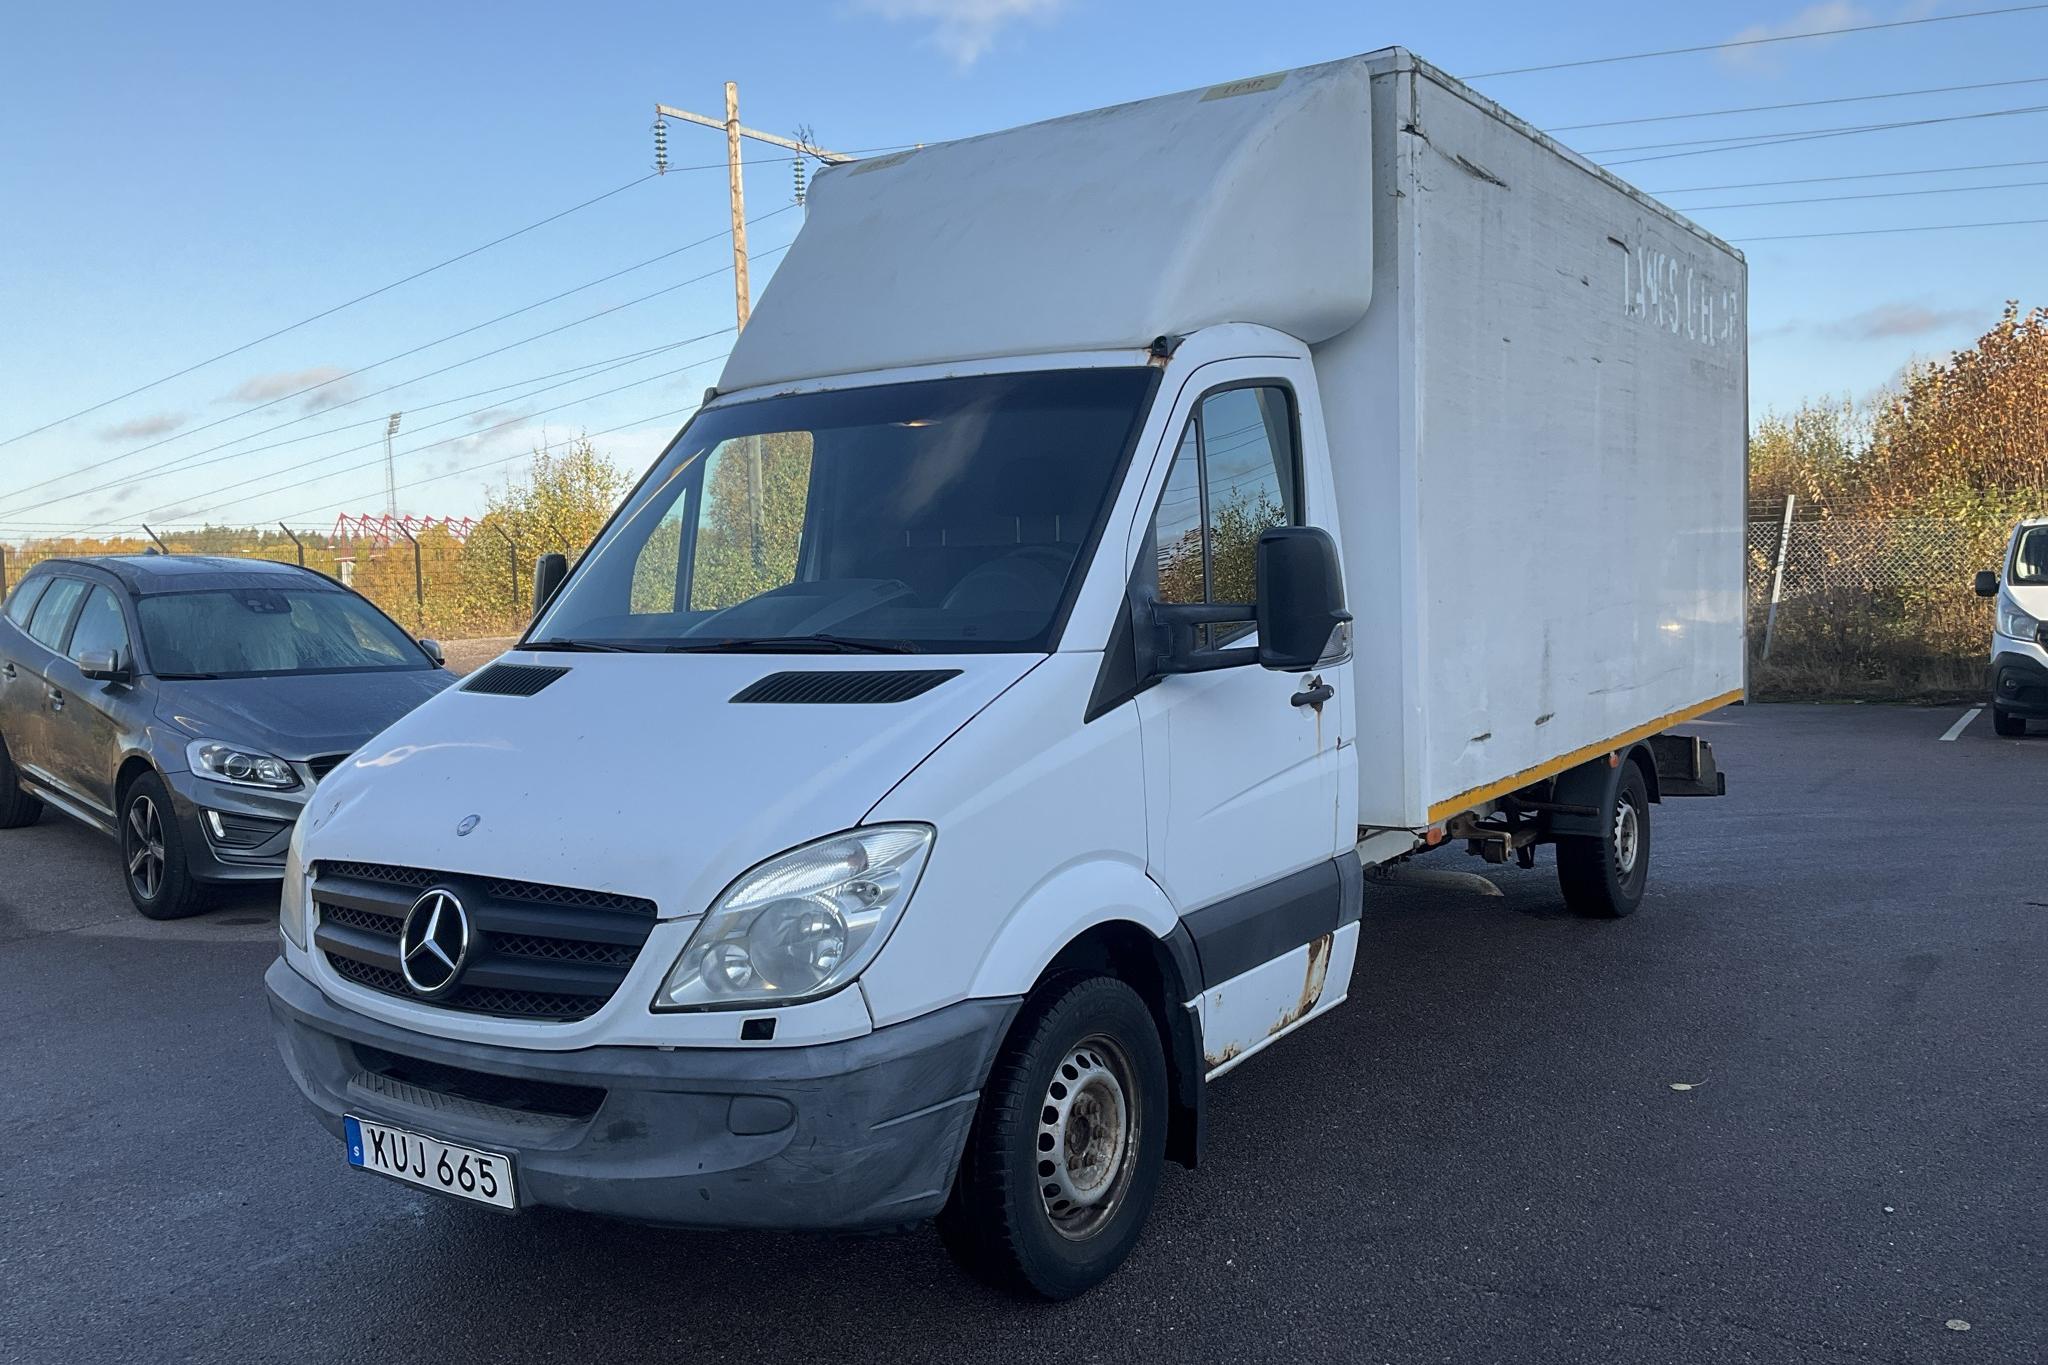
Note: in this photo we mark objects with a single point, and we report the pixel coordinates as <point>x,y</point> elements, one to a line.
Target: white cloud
<point>962,29</point>
<point>261,388</point>
<point>141,428</point>
<point>1813,19</point>
<point>1890,320</point>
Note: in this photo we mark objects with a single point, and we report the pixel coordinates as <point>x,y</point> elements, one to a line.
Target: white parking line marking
<point>1961,725</point>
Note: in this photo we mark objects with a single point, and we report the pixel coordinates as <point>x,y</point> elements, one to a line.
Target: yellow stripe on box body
<point>1479,796</point>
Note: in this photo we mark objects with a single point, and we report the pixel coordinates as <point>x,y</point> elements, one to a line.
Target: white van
<point>2019,636</point>
<point>1111,543</point>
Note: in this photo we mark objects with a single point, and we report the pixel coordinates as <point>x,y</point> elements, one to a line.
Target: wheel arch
<point>1164,973</point>
<point>1107,916</point>
<point>133,765</point>
<point>1592,784</point>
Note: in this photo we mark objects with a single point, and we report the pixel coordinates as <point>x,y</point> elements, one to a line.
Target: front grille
<point>483,1087</point>
<point>324,765</point>
<point>536,951</point>
<point>379,872</point>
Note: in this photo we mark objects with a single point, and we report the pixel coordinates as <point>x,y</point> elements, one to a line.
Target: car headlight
<point>2016,623</point>
<point>293,902</point>
<point>240,767</point>
<point>802,924</point>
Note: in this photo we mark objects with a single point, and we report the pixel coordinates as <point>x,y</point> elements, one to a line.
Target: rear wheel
<point>158,873</point>
<point>1603,875</point>
<point>17,807</point>
<point>2006,723</point>
<point>1064,1157</point>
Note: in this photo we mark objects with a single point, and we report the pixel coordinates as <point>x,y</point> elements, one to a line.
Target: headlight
<point>802,924</point>
<point>241,767</point>
<point>2016,623</point>
<point>293,903</point>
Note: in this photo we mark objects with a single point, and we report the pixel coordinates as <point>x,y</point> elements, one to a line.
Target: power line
<point>508,459</point>
<point>1800,134</point>
<point>1829,179</point>
<point>375,364</point>
<point>330,312</point>
<point>1889,194</point>
<point>414,450</point>
<point>578,372</point>
<point>1797,104</point>
<point>1885,232</point>
<point>1781,140</point>
<point>1754,42</point>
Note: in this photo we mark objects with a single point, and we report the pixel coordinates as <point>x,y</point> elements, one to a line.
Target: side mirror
<point>1987,583</point>
<point>1301,614</point>
<point>103,665</point>
<point>548,572</point>
<point>432,649</point>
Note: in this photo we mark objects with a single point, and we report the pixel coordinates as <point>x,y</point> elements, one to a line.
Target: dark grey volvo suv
<point>188,705</point>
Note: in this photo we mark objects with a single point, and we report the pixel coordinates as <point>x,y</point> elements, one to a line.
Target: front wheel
<point>2005,723</point>
<point>1603,875</point>
<point>159,875</point>
<point>1064,1157</point>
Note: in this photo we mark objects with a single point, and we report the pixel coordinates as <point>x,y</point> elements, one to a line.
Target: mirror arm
<point>1203,613</point>
<point>1208,660</point>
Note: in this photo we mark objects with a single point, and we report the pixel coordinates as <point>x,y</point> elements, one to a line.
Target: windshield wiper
<point>794,644</point>
<point>188,677</point>
<point>587,646</point>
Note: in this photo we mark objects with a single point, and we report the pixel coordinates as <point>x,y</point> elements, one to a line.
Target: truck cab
<point>1110,543</point>
<point>2019,633</point>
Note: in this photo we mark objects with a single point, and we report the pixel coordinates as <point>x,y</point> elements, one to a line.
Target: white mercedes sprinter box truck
<point>1110,540</point>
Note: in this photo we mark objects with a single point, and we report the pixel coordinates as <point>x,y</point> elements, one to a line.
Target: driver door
<point>1242,764</point>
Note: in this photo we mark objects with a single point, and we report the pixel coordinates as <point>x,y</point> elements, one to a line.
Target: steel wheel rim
<point>1087,1140</point>
<point>1628,837</point>
<point>146,854</point>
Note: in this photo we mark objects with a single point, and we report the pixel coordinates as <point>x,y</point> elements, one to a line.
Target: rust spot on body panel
<point>1311,985</point>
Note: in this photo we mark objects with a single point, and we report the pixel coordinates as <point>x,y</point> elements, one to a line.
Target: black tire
<point>1604,875</point>
<point>153,862</point>
<point>2006,723</point>
<point>17,807</point>
<point>1030,1211</point>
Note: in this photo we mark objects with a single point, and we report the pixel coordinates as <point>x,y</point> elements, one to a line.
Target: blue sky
<point>179,180</point>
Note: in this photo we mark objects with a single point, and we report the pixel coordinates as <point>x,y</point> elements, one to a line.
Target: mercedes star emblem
<point>434,942</point>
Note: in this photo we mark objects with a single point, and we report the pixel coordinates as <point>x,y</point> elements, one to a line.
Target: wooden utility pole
<point>734,130</point>
<point>743,298</point>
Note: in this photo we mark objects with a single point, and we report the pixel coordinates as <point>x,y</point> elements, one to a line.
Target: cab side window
<point>53,613</point>
<point>24,600</point>
<point>1237,474</point>
<point>100,627</point>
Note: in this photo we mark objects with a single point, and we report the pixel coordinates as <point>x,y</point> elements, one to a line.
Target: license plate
<point>463,1172</point>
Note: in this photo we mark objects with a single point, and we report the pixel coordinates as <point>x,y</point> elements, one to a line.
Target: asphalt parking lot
<point>1484,1157</point>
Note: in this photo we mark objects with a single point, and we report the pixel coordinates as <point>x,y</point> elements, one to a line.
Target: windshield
<point>251,632</point>
<point>942,516</point>
<point>2030,557</point>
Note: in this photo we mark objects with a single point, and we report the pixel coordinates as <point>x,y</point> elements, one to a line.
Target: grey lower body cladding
<point>857,1134</point>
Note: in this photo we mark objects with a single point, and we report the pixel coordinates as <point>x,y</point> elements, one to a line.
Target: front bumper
<point>2019,685</point>
<point>246,808</point>
<point>863,1133</point>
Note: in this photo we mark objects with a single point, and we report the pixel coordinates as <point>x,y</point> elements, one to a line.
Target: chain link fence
<point>1867,607</point>
<point>445,587</point>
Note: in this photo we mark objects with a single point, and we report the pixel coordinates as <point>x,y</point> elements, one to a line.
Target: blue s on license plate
<point>464,1172</point>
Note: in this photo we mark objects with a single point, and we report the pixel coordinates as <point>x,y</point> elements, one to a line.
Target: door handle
<point>7,671</point>
<point>56,700</point>
<point>1314,696</point>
